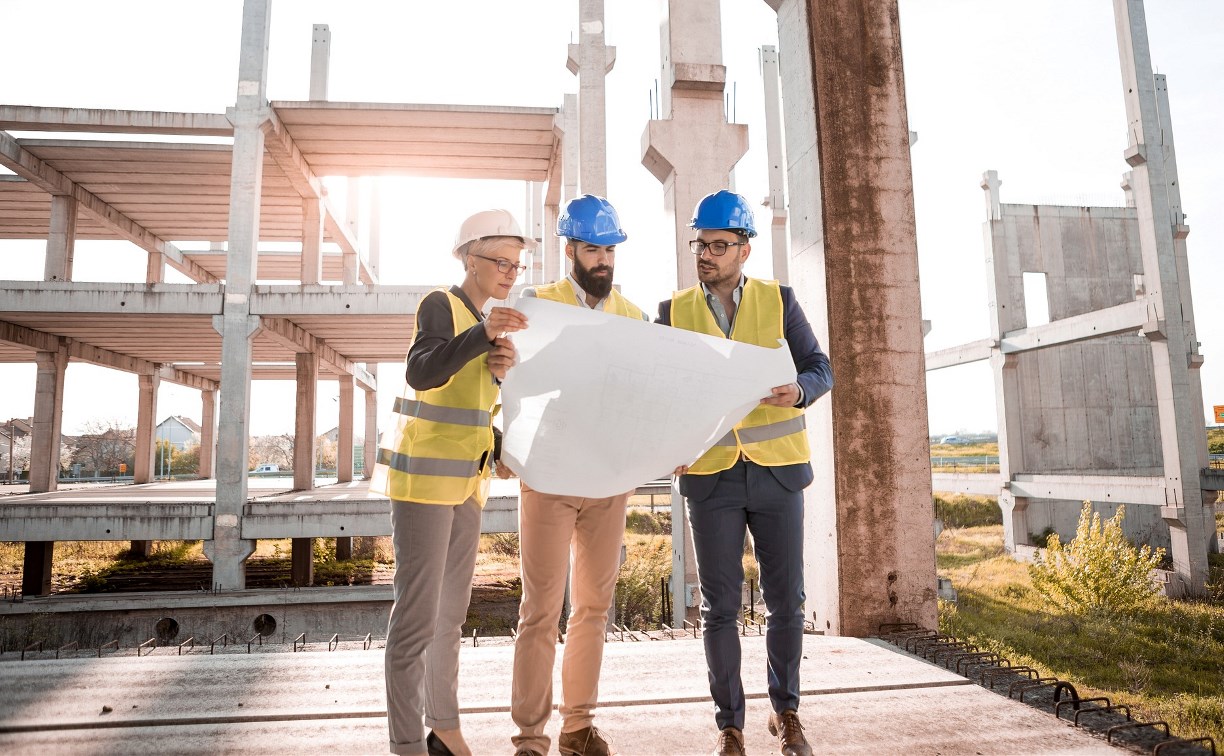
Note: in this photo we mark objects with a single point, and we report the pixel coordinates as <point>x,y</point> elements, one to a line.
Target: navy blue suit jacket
<point>815,378</point>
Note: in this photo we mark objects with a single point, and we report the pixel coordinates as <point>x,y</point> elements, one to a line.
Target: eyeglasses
<point>717,248</point>
<point>504,265</point>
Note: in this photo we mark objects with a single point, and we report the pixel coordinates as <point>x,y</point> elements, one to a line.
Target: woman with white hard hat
<point>435,465</point>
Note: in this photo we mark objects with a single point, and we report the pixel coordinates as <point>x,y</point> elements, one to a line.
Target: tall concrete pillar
<point>776,201</point>
<point>304,456</point>
<point>370,447</point>
<point>61,238</point>
<point>691,149</point>
<point>320,61</point>
<point>44,461</point>
<point>304,420</point>
<point>554,262</point>
<point>208,434</point>
<point>36,568</point>
<point>344,441</point>
<point>374,245</point>
<point>1004,317</point>
<point>1179,395</point>
<point>48,417</point>
<point>353,219</point>
<point>869,551</point>
<point>312,240</point>
<point>591,60</point>
<point>146,448</point>
<point>227,549</point>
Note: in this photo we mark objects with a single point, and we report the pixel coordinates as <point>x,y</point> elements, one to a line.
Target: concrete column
<point>61,239</point>
<point>591,60</point>
<point>208,434</point>
<point>302,561</point>
<point>554,265</point>
<point>304,422</point>
<point>320,61</point>
<point>36,568</point>
<point>353,219</point>
<point>344,441</point>
<point>146,448</point>
<point>374,246</point>
<point>691,149</point>
<point>1179,405</point>
<point>228,550</point>
<point>550,257</point>
<point>44,461</point>
<point>48,416</point>
<point>304,456</point>
<point>869,549</point>
<point>776,201</point>
<point>155,268</point>
<point>1005,316</point>
<point>312,240</point>
<point>370,449</point>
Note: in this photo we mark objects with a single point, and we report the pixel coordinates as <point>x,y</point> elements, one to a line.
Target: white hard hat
<point>488,223</point>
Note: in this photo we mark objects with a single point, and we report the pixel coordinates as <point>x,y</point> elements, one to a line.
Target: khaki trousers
<point>549,526</point>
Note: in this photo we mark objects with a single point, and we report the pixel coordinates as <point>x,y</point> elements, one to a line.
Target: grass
<point>988,449</point>
<point>1164,661</point>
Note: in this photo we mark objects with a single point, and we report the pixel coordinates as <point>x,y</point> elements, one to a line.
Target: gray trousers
<point>435,556</point>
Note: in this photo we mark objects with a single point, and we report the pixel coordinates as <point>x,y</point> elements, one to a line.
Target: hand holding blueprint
<point>599,404</point>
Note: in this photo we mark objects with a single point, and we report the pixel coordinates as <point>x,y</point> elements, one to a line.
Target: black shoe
<point>435,746</point>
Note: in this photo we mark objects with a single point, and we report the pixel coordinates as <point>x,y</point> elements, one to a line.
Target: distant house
<point>16,428</point>
<point>181,432</point>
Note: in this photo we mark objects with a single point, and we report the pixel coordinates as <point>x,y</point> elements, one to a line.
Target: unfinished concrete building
<point>1102,403</point>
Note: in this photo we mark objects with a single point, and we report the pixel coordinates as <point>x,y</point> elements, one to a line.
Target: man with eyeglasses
<point>550,526</point>
<point>752,479</point>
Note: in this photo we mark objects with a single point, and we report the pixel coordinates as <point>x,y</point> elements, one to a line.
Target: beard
<point>597,286</point>
<point>714,276</point>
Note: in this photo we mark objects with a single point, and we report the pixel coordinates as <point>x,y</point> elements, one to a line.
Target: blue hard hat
<point>724,211</point>
<point>591,219</point>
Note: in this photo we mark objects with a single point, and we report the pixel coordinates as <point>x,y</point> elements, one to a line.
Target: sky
<point>1032,90</point>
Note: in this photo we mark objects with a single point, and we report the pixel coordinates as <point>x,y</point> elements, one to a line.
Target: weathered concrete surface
<point>869,553</point>
<point>859,697</point>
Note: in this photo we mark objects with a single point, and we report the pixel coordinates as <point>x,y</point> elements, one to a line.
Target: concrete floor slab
<point>859,697</point>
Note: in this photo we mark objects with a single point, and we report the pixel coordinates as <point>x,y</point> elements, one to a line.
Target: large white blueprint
<point>599,404</point>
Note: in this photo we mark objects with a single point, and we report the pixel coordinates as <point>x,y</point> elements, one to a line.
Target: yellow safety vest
<point>442,436</point>
<point>769,436</point>
<point>563,291</point>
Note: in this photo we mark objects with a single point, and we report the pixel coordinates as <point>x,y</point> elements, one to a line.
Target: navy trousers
<point>749,497</point>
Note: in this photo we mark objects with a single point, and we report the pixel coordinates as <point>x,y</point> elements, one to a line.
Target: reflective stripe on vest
<point>563,291</point>
<point>452,415</point>
<point>440,448</point>
<point>770,436</point>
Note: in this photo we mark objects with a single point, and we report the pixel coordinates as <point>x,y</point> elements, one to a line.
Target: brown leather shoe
<point>585,742</point>
<point>730,743</point>
<point>786,728</point>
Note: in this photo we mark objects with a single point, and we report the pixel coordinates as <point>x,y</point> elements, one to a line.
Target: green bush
<point>639,586</point>
<point>962,511</point>
<point>1099,572</point>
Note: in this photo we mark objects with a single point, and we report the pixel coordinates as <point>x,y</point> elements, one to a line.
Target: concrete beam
<point>976,484</point>
<point>302,341</point>
<point>352,517</point>
<point>19,160</point>
<point>964,354</point>
<point>1120,489</point>
<point>144,521</point>
<point>1124,318</point>
<point>110,298</point>
<point>38,118</point>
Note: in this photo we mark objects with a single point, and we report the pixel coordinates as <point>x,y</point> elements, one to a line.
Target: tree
<point>275,450</point>
<point>20,454</point>
<point>104,446</point>
<point>325,454</point>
